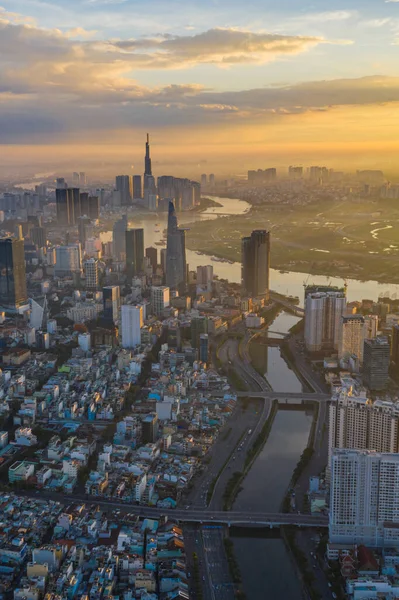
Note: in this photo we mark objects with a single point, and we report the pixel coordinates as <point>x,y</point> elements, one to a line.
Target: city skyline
<point>218,82</point>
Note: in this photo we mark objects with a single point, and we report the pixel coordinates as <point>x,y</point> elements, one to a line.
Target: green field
<point>328,237</point>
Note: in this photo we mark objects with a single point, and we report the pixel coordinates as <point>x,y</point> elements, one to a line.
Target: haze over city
<point>229,83</point>
<point>199,300</point>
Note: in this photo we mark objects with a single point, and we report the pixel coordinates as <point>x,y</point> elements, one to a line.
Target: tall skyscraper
<point>112,302</point>
<point>134,252</point>
<point>255,252</point>
<point>203,179</point>
<point>364,498</point>
<point>137,189</point>
<point>123,184</point>
<point>131,323</point>
<point>119,238</point>
<point>62,204</point>
<point>376,360</point>
<point>12,273</point>
<point>351,336</point>
<point>175,253</point>
<point>152,254</point>
<point>324,307</point>
<point>147,160</point>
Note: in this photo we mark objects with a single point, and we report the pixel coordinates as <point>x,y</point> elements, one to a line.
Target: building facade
<point>91,273</point>
<point>364,498</point>
<point>112,302</point>
<point>13,292</point>
<point>351,336</point>
<point>134,252</point>
<point>131,323</point>
<point>376,363</point>
<point>123,185</point>
<point>324,308</point>
<point>160,299</point>
<point>175,253</point>
<point>355,422</point>
<point>255,263</point>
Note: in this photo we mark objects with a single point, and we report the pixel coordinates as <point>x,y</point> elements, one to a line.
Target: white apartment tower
<point>352,336</point>
<point>364,498</point>
<point>324,308</point>
<point>160,299</point>
<point>132,322</point>
<point>354,422</point>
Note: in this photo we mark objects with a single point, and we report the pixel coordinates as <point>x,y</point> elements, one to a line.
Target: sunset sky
<point>229,81</point>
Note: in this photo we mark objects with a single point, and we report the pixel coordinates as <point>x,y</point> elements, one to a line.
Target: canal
<point>265,564</point>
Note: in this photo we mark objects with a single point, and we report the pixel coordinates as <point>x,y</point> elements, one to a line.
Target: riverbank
<point>343,240</point>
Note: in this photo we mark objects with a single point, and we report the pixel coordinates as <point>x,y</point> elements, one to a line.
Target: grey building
<point>175,253</point>
<point>376,358</point>
<point>134,252</point>
<point>12,273</point>
<point>255,253</point>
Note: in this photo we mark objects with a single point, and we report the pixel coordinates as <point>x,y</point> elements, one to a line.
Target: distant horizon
<point>238,85</point>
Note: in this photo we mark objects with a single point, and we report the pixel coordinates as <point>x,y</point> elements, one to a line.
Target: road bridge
<point>189,515</point>
<point>270,395</point>
<point>207,516</point>
<point>315,397</point>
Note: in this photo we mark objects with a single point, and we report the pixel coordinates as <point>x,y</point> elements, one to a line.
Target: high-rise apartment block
<point>134,252</point>
<point>91,273</point>
<point>355,422</point>
<point>255,263</point>
<point>324,307</point>
<point>12,273</point>
<point>112,302</point>
<point>160,299</point>
<point>131,323</point>
<point>262,176</point>
<point>351,336</point>
<point>364,498</point>
<point>376,361</point>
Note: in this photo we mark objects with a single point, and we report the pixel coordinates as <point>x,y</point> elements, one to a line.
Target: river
<point>265,559</point>
<point>289,283</point>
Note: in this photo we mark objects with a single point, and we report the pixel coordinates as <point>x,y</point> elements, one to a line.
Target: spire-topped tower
<point>147,160</point>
